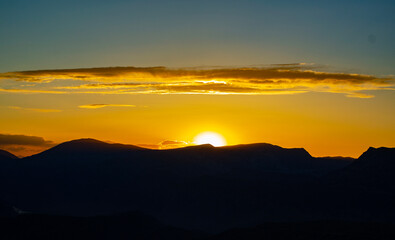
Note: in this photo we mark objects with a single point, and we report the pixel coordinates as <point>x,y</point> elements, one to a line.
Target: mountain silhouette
<point>374,171</point>
<point>196,187</point>
<point>4,155</point>
<point>261,156</point>
<point>87,145</point>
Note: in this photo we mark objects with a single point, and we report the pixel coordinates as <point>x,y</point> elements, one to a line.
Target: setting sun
<point>212,138</point>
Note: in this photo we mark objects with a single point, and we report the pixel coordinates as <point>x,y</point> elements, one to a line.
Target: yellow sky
<point>290,106</point>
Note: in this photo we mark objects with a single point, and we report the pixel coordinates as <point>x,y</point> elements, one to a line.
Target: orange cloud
<point>167,144</point>
<point>274,79</point>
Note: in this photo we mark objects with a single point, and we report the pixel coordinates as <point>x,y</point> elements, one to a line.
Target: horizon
<point>312,75</point>
<point>172,146</point>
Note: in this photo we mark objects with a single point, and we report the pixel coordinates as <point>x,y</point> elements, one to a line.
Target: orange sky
<point>292,106</point>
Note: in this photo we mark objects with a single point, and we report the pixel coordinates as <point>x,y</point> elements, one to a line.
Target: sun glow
<point>212,138</point>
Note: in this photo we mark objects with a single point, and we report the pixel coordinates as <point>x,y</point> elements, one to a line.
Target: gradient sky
<point>312,74</point>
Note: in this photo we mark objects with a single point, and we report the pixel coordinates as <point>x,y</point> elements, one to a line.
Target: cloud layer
<point>274,79</point>
<point>102,105</point>
<point>23,145</point>
<point>10,139</point>
<point>167,144</point>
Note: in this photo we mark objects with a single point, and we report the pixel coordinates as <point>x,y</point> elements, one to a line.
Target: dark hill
<point>200,187</point>
<point>194,159</point>
<point>374,170</point>
<point>6,159</point>
<point>85,146</point>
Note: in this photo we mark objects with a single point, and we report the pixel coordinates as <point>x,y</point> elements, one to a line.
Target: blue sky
<point>353,36</point>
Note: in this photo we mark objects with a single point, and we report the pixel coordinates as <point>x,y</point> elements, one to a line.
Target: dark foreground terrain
<point>138,226</point>
<point>259,191</point>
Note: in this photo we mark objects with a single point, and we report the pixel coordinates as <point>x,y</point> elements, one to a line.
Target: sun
<point>212,138</point>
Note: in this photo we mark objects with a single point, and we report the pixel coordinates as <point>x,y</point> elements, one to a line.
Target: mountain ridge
<point>202,187</point>
<point>89,143</point>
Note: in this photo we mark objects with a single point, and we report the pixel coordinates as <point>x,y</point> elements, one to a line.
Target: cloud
<point>30,91</point>
<point>150,146</point>
<point>9,139</point>
<point>99,105</point>
<point>360,95</point>
<point>23,145</point>
<point>35,109</point>
<point>114,74</point>
<point>272,79</point>
<point>167,144</point>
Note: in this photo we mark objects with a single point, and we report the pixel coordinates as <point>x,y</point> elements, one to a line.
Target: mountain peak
<point>381,152</point>
<point>81,143</point>
<point>87,145</point>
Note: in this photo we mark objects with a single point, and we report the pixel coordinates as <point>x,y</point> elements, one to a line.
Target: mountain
<point>4,155</point>
<point>197,187</point>
<point>261,157</point>
<point>221,187</point>
<point>363,190</point>
<point>86,146</point>
<point>374,171</point>
<point>6,158</point>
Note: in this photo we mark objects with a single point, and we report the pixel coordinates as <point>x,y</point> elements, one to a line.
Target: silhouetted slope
<point>363,190</point>
<point>374,170</point>
<point>4,155</point>
<point>6,159</point>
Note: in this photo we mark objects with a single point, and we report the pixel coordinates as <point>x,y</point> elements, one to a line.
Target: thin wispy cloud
<point>100,105</point>
<point>30,91</point>
<point>273,79</point>
<point>43,110</point>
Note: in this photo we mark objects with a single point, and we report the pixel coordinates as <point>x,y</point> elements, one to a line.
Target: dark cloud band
<point>9,139</point>
<point>273,79</point>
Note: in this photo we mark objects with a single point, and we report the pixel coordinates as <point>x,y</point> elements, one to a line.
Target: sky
<point>312,74</point>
